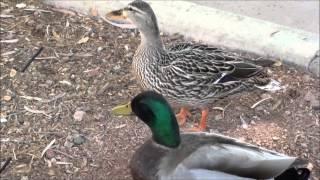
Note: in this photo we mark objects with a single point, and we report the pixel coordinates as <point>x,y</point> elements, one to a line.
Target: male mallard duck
<point>198,155</point>
<point>188,75</point>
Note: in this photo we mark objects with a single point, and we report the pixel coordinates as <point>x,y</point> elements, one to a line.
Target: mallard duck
<point>198,155</point>
<point>188,75</point>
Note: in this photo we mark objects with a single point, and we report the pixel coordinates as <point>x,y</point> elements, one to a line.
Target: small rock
<point>21,5</point>
<point>50,154</point>
<point>293,93</point>
<point>252,122</point>
<point>265,95</point>
<point>78,139</point>
<point>126,47</point>
<point>218,117</point>
<point>306,78</point>
<point>3,120</point>
<point>24,178</point>
<point>117,67</point>
<point>78,115</point>
<point>315,104</point>
<point>309,96</point>
<point>68,143</point>
<point>51,172</point>
<point>287,112</point>
<point>6,98</point>
<point>304,145</point>
<point>92,90</point>
<point>13,73</point>
<point>100,49</point>
<point>275,138</point>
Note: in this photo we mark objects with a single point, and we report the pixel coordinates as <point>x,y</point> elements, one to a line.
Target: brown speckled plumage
<point>190,74</point>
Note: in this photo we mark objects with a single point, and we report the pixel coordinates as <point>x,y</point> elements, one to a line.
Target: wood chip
<point>83,40</point>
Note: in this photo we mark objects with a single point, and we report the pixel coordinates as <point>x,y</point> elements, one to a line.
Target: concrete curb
<point>222,28</point>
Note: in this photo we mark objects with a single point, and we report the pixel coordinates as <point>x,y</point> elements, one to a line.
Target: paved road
<point>301,14</point>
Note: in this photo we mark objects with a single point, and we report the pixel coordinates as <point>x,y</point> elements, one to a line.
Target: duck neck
<point>163,124</point>
<point>166,133</point>
<point>151,39</point>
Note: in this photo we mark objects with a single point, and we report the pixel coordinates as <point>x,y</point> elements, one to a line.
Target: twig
<point>223,109</point>
<point>6,16</point>
<point>14,155</point>
<point>45,58</point>
<point>64,11</point>
<point>36,111</point>
<point>8,53</point>
<point>257,103</point>
<point>32,98</point>
<point>5,164</point>
<point>48,147</point>
<point>63,163</point>
<point>243,123</point>
<point>63,153</point>
<point>32,59</point>
<point>43,100</point>
<point>40,10</point>
<point>9,41</point>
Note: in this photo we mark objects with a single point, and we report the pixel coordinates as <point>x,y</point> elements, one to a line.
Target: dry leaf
<point>13,73</point>
<point>83,40</point>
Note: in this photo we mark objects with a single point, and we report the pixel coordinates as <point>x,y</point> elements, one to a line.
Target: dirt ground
<point>55,116</point>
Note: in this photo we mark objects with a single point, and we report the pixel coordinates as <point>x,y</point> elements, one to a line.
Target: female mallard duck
<point>198,155</point>
<point>186,74</point>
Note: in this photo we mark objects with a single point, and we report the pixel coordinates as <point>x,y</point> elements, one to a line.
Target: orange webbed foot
<point>182,116</point>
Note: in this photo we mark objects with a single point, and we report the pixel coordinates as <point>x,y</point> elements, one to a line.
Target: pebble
<point>309,96</point>
<point>21,5</point>
<point>3,120</point>
<point>68,143</point>
<point>315,104</point>
<point>78,115</point>
<point>50,154</point>
<point>117,67</point>
<point>6,98</point>
<point>275,138</point>
<point>51,172</point>
<point>100,49</point>
<point>218,117</point>
<point>24,178</point>
<point>306,78</point>
<point>78,139</point>
<point>13,73</point>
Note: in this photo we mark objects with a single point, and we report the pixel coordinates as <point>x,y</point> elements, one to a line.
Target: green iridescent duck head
<point>154,110</point>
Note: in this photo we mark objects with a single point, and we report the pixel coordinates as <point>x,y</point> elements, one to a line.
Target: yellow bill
<point>124,110</point>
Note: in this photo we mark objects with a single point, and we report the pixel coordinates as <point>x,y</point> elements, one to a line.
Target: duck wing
<point>213,152</point>
<point>204,71</point>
